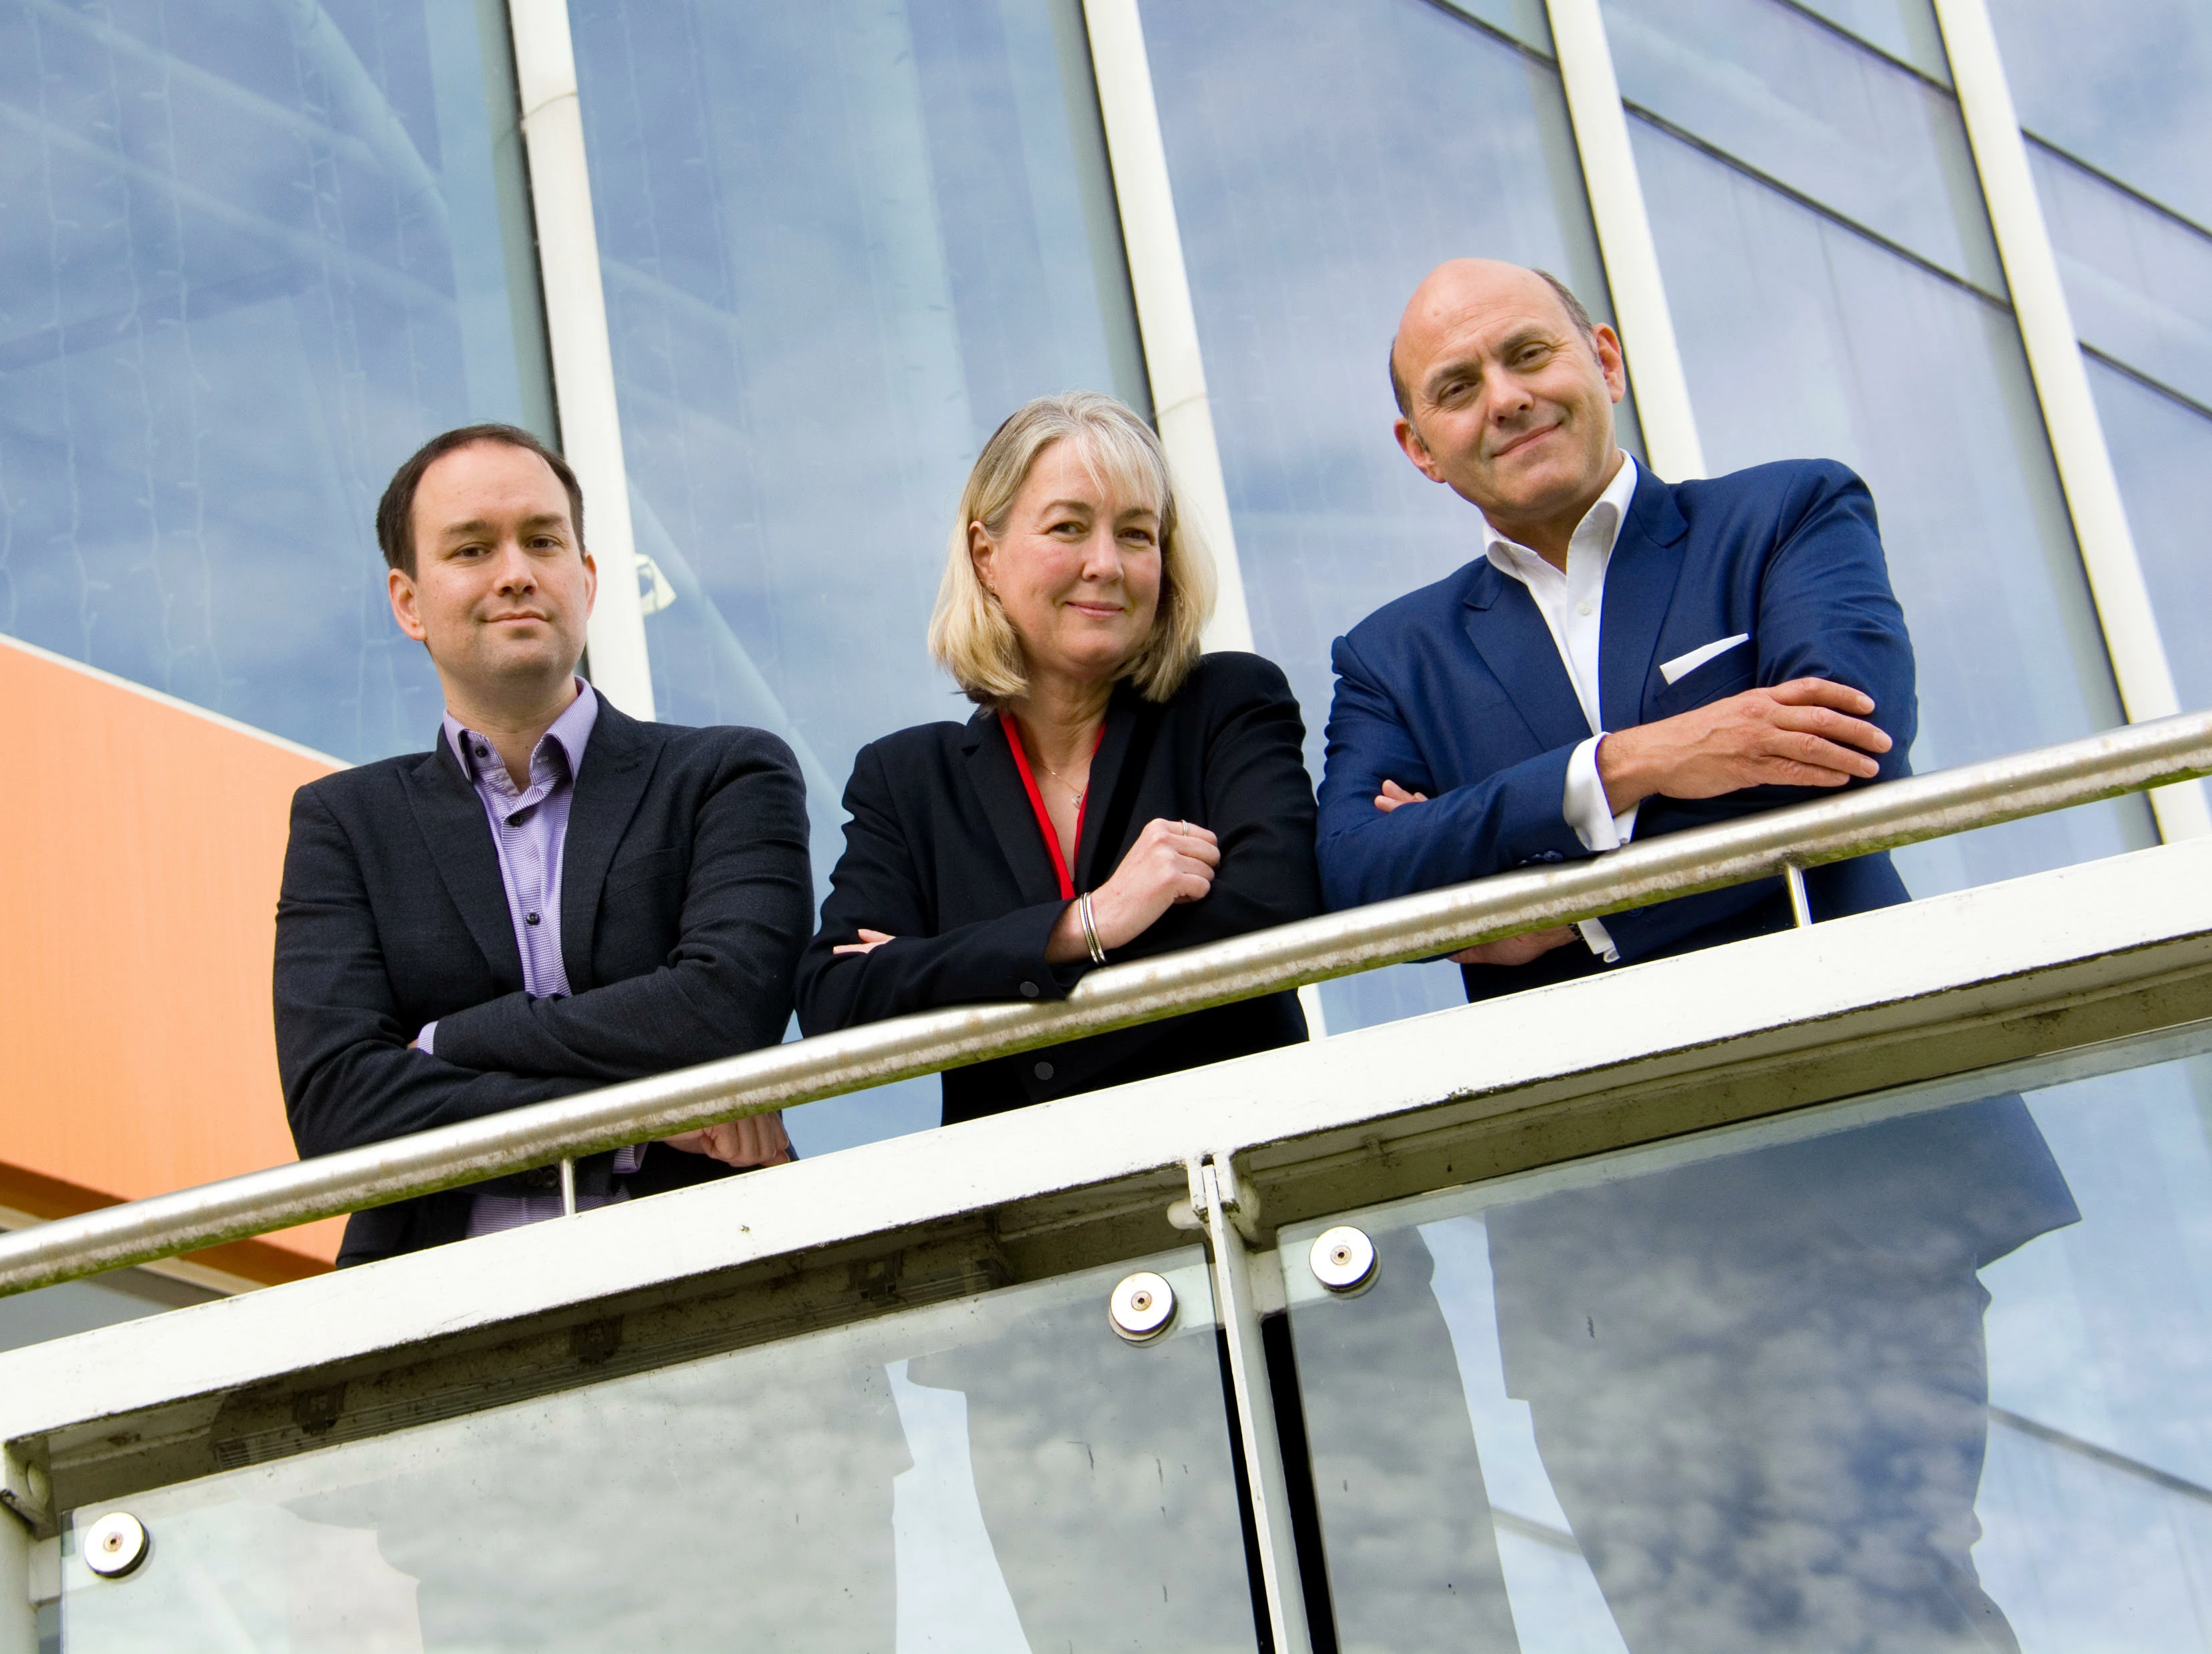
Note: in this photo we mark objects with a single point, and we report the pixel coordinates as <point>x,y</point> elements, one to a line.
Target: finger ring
<point>1184,827</point>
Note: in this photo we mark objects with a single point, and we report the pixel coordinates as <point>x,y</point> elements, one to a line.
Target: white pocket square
<point>1682,665</point>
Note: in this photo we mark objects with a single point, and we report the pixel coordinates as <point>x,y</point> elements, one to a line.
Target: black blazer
<point>944,851</point>
<point>686,894</point>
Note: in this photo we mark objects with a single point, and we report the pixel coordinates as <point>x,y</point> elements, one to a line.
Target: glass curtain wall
<point>250,258</point>
<point>1836,291</point>
<point>840,244</point>
<point>1423,132</point>
<point>2117,104</point>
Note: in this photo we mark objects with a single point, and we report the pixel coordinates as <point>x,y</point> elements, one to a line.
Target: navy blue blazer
<point>1458,691</point>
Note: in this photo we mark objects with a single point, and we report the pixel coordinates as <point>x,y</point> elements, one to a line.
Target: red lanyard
<point>1043,815</point>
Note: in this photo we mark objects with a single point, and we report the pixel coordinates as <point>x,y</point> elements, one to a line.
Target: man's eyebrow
<point>479,525</point>
<point>1471,366</point>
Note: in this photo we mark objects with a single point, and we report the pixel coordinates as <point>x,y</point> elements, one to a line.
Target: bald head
<point>1439,284</point>
<point>1506,391</point>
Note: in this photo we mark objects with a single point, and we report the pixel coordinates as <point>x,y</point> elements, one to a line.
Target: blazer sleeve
<point>1258,800</point>
<point>1825,611</point>
<point>1504,820</point>
<point>727,985</point>
<point>350,1073</point>
<point>877,885</point>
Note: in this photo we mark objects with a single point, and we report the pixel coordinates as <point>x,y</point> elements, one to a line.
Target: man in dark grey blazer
<point>555,898</point>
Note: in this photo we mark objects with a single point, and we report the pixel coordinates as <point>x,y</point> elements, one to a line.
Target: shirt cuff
<point>1588,814</point>
<point>1584,804</point>
<point>424,1040</point>
<point>1598,940</point>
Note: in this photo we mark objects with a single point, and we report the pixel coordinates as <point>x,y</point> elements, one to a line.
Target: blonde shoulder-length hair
<point>970,634</point>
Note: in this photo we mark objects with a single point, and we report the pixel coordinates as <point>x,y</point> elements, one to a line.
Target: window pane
<point>1418,138</point>
<point>1815,113</point>
<point>840,243</point>
<point>249,260</point>
<point>1906,29</point>
<point>1802,338</point>
<point>2127,88</point>
<point>2162,450</point>
<point>1921,1372</point>
<point>995,1474</point>
<point>2138,281</point>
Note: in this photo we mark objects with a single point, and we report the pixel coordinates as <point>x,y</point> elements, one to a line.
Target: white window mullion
<point>1165,319</point>
<point>1624,240</point>
<point>576,329</point>
<point>2139,667</point>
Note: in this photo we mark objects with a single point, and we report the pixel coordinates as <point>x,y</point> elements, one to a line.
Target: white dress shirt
<point>1572,603</point>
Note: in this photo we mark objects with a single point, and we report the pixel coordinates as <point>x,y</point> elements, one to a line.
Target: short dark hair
<point>395,512</point>
<point>1576,313</point>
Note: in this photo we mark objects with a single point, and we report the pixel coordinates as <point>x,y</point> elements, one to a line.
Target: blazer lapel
<point>1005,802</point>
<point>617,764</point>
<point>1116,773</point>
<point>1639,588</point>
<point>452,819</point>
<point>1508,631</point>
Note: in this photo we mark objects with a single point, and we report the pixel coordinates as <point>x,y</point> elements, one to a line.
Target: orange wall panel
<point>142,842</point>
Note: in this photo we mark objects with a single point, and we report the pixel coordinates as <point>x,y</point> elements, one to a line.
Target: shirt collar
<point>1597,532</point>
<point>571,732</point>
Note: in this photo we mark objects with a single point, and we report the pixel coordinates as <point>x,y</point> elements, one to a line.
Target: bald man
<point>1622,657</point>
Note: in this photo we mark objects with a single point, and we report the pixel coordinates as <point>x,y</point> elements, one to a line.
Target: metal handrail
<point>1854,823</point>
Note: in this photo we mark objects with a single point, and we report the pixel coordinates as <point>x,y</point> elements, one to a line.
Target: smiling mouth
<point>1523,440</point>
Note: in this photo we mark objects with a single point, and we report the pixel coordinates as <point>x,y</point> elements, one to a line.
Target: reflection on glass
<point>840,242</point>
<point>1525,20</point>
<point>2138,281</point>
<point>1816,112</point>
<point>249,261</point>
<point>2162,450</point>
<point>1906,29</point>
<point>1419,138</point>
<point>1740,1393</point>
<point>1802,338</point>
<point>993,1475</point>
<point>2126,88</point>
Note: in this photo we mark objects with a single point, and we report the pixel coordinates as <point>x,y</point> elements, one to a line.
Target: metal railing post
<point>1216,1200</point>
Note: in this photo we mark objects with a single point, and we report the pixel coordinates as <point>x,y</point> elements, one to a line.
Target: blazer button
<point>1029,991</point>
<point>1043,1070</point>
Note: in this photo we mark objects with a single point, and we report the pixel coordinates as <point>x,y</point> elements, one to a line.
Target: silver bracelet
<point>1091,930</point>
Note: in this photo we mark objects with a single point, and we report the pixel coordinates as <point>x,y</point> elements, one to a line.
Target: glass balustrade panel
<point>1924,1371</point>
<point>997,1475</point>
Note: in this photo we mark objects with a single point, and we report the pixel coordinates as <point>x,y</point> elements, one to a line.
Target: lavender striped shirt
<point>530,830</point>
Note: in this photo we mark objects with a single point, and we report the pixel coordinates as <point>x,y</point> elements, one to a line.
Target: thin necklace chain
<point>1057,776</point>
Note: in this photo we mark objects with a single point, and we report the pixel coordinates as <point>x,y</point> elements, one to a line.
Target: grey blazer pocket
<point>654,867</point>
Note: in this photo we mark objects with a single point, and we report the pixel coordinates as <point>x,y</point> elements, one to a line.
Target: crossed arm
<point>352,1074</point>
<point>1834,704</point>
<point>1179,885</point>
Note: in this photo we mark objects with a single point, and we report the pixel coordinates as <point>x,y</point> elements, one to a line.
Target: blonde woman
<point>1116,795</point>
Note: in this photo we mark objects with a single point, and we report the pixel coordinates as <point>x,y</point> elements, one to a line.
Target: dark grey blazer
<point>685,897</point>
